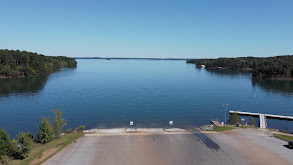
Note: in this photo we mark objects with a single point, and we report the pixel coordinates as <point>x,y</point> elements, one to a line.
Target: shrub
<point>4,142</point>
<point>14,149</point>
<point>59,122</point>
<point>30,135</point>
<point>251,120</point>
<point>46,132</point>
<point>234,118</point>
<point>80,129</point>
<point>69,131</point>
<point>21,148</point>
<point>25,142</point>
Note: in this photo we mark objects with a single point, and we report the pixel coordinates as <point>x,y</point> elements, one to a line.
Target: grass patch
<point>247,126</point>
<point>219,129</point>
<point>39,149</point>
<point>283,137</point>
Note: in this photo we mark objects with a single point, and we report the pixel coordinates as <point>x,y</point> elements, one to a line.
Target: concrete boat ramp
<point>137,131</point>
<point>173,146</point>
<point>143,146</point>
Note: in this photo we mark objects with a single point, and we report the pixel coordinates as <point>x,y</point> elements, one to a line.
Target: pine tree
<point>25,141</point>
<point>59,122</point>
<point>46,132</point>
<point>4,142</point>
<point>251,121</point>
<point>234,118</point>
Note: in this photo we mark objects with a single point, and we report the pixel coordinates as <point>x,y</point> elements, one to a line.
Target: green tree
<point>14,149</point>
<point>59,122</point>
<point>80,129</point>
<point>22,63</point>
<point>25,140</point>
<point>4,142</point>
<point>69,131</point>
<point>6,70</point>
<point>251,120</point>
<point>234,118</point>
<point>46,132</point>
<point>20,149</point>
<point>269,67</point>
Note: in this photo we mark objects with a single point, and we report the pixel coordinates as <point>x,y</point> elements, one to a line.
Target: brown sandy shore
<point>156,146</point>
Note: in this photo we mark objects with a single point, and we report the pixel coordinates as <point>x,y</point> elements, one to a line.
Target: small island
<point>15,63</point>
<point>278,67</point>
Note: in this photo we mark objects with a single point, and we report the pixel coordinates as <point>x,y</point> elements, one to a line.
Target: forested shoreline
<point>278,67</point>
<point>15,63</point>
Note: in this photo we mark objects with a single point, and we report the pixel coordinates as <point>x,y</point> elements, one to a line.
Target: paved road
<point>147,149</point>
<point>256,147</point>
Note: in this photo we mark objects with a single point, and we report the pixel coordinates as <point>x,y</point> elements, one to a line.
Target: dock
<point>262,117</point>
<point>216,123</point>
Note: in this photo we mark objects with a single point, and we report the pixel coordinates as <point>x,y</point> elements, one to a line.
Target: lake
<point>110,93</point>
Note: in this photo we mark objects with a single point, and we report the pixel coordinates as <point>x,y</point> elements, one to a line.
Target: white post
<point>171,123</point>
<point>225,112</point>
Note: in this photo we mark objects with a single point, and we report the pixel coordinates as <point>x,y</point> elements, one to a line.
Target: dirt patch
<point>45,154</point>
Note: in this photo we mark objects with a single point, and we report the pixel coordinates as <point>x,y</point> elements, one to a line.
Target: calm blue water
<point>110,93</point>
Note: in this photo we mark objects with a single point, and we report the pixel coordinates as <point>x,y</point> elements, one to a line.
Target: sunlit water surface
<point>110,93</point>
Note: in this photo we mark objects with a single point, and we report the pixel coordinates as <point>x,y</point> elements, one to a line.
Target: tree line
<point>235,119</point>
<point>261,67</point>
<point>15,63</point>
<point>19,149</point>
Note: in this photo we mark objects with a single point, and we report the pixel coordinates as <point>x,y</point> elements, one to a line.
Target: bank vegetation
<point>15,63</point>
<point>279,67</point>
<point>30,149</point>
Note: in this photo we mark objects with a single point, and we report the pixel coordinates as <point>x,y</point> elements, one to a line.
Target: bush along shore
<point>233,122</point>
<point>279,67</point>
<point>28,149</point>
<point>15,63</point>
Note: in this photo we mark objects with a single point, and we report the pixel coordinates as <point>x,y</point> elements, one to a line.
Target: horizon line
<point>159,58</point>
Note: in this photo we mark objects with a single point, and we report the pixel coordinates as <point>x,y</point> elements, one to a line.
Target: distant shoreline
<point>126,58</point>
<point>276,67</point>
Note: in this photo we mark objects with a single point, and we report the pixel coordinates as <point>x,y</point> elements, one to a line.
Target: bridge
<point>262,117</point>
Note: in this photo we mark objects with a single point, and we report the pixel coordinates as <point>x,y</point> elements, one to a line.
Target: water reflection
<point>275,86</point>
<point>27,85</point>
<point>284,87</point>
<point>227,72</point>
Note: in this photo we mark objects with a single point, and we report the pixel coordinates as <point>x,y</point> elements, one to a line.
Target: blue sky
<point>146,28</point>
